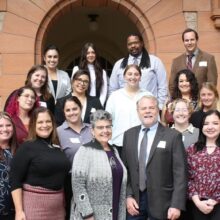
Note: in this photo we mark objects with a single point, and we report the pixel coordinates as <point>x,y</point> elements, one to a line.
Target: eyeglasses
<point>101,128</point>
<point>26,96</point>
<point>84,82</point>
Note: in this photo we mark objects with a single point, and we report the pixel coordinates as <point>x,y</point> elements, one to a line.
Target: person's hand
<point>212,202</point>
<point>90,218</point>
<point>132,206</point>
<point>173,213</point>
<point>204,206</point>
<point>20,216</point>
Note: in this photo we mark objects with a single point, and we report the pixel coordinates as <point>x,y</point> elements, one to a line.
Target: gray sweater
<point>92,184</point>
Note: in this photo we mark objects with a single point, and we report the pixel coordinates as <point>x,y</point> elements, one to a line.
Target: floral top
<point>204,173</point>
<point>6,204</point>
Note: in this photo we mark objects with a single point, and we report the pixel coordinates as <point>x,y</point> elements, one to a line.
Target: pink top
<point>204,173</point>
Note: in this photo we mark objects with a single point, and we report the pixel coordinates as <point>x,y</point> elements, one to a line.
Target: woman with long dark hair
<point>89,61</point>
<point>185,87</point>
<point>203,167</point>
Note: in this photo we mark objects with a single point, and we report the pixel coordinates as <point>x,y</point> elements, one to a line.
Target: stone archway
<point>110,47</point>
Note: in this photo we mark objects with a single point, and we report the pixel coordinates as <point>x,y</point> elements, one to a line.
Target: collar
<point>153,127</point>
<point>190,128</point>
<point>97,145</point>
<point>66,125</point>
<point>195,52</point>
<point>138,57</point>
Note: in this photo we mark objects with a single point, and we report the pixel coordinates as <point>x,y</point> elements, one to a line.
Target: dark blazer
<point>92,102</point>
<point>166,170</point>
<point>203,73</point>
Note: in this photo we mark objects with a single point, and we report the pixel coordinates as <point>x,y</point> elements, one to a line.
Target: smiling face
<point>38,79</point>
<point>6,131</point>
<point>72,112</point>
<point>80,84</point>
<point>44,125</point>
<point>134,45</point>
<point>183,84</point>
<point>26,100</point>
<point>207,98</point>
<point>148,111</point>
<point>102,131</point>
<point>181,113</point>
<point>132,77</point>
<point>190,42</point>
<point>90,55</point>
<point>51,58</point>
<point>211,127</point>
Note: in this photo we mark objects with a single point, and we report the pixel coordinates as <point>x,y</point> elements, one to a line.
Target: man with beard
<point>153,78</point>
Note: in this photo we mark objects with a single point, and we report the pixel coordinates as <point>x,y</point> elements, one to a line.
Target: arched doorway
<point>69,26</point>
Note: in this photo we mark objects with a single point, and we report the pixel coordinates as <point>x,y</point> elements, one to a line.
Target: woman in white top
<point>58,80</point>
<point>98,76</point>
<point>122,105</point>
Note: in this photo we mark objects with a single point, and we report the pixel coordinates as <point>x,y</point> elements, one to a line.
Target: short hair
<point>136,35</point>
<point>12,143</point>
<point>148,97</point>
<point>51,47</point>
<point>44,89</point>
<point>132,66</point>
<point>210,86</point>
<point>188,105</point>
<point>72,99</point>
<point>32,135</point>
<point>79,73</point>
<point>202,138</point>
<point>190,30</point>
<point>190,76</point>
<point>100,115</point>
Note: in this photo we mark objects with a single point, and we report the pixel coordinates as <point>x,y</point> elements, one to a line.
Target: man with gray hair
<point>156,162</point>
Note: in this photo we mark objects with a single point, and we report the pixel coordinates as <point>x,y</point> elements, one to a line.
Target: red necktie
<point>189,61</point>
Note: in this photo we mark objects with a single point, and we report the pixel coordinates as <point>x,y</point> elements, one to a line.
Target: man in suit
<point>200,62</point>
<point>153,77</point>
<point>161,194</point>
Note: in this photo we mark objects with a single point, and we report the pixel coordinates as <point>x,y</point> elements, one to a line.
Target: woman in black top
<point>80,88</point>
<point>38,171</point>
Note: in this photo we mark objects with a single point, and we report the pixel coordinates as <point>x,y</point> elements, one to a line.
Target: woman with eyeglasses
<point>37,78</point>
<point>80,88</point>
<point>203,160</point>
<point>89,61</point>
<point>20,108</point>
<point>8,146</point>
<point>98,175</point>
<point>59,81</point>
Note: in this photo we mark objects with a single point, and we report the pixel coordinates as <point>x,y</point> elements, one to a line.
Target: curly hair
<point>83,64</point>
<point>190,76</point>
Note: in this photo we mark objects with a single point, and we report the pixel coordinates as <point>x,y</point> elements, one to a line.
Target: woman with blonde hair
<point>208,100</point>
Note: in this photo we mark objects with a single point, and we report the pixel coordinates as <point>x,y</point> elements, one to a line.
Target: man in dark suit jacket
<point>166,182</point>
<point>203,64</point>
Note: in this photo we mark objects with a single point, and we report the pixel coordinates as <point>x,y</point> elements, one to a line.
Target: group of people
<point>85,147</point>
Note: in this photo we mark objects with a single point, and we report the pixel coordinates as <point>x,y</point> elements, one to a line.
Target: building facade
<point>27,26</point>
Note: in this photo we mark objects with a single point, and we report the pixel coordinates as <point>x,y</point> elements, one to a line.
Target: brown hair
<point>132,66</point>
<point>12,143</point>
<point>32,135</point>
<point>189,105</point>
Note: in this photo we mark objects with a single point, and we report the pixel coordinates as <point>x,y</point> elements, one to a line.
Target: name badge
<point>43,104</point>
<point>75,140</point>
<point>203,63</point>
<point>162,144</point>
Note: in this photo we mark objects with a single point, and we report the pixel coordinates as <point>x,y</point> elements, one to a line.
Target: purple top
<point>117,174</point>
